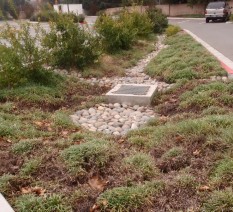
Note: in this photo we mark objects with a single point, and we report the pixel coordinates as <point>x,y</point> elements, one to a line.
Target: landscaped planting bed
<point>180,161</point>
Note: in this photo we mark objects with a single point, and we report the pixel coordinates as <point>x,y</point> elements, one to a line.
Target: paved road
<point>218,35</point>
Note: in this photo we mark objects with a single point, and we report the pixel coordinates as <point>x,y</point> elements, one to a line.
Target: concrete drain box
<point>132,94</point>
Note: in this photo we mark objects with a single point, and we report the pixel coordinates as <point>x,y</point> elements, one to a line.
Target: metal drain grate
<point>132,90</point>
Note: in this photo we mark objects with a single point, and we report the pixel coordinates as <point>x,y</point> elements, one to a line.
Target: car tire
<point>207,20</point>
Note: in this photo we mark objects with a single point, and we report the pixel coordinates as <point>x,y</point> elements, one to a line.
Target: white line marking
<point>212,50</point>
<point>229,22</point>
<point>202,23</point>
<point>183,21</point>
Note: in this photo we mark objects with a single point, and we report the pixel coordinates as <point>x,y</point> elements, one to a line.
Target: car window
<point>216,5</point>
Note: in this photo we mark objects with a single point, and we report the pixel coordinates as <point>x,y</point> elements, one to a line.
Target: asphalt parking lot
<point>218,35</point>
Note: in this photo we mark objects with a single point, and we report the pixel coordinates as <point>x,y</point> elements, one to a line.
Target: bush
<point>46,13</point>
<point>172,30</point>
<point>22,57</point>
<point>158,19</point>
<point>70,45</point>
<point>118,33</point>
<point>44,16</point>
<point>81,18</point>
<point>141,22</point>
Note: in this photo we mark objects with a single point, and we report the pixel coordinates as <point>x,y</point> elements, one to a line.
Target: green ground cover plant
<point>181,60</point>
<point>129,198</point>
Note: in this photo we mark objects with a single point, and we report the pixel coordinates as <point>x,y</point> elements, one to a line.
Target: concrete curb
<point>4,205</point>
<point>226,63</point>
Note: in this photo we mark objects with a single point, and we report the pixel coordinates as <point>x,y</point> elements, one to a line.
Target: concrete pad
<point>132,94</point>
<point>4,205</point>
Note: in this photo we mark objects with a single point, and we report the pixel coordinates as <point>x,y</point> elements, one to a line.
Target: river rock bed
<point>116,119</point>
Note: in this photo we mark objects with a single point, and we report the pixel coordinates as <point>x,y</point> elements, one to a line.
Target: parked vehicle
<point>219,10</point>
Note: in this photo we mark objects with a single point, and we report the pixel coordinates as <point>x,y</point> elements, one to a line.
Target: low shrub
<point>141,22</point>
<point>117,34</point>
<point>158,19</point>
<point>22,57</point>
<point>172,30</point>
<point>43,16</point>
<point>81,18</point>
<point>231,18</point>
<point>70,45</point>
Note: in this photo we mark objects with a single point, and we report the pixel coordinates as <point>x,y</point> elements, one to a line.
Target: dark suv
<point>219,10</point>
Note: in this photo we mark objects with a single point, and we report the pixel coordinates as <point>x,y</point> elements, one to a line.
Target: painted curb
<point>226,63</point>
<point>4,205</point>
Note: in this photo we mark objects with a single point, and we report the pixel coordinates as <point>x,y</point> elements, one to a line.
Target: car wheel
<point>207,20</point>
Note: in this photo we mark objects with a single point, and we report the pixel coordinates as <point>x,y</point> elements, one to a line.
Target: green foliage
<point>223,171</point>
<point>141,163</point>
<point>172,30</point>
<point>46,13</point>
<point>4,180</point>
<point>207,95</point>
<point>158,19</point>
<point>30,167</point>
<point>70,45</point>
<point>33,203</point>
<point>8,6</point>
<point>22,57</point>
<point>117,34</point>
<point>186,181</point>
<point>141,22</point>
<point>173,152</point>
<point>169,67</point>
<point>219,201</point>
<point>129,198</point>
<point>120,33</point>
<point>188,129</point>
<point>62,120</point>
<point>24,146</point>
<point>81,18</point>
<point>93,153</point>
<point>36,94</point>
